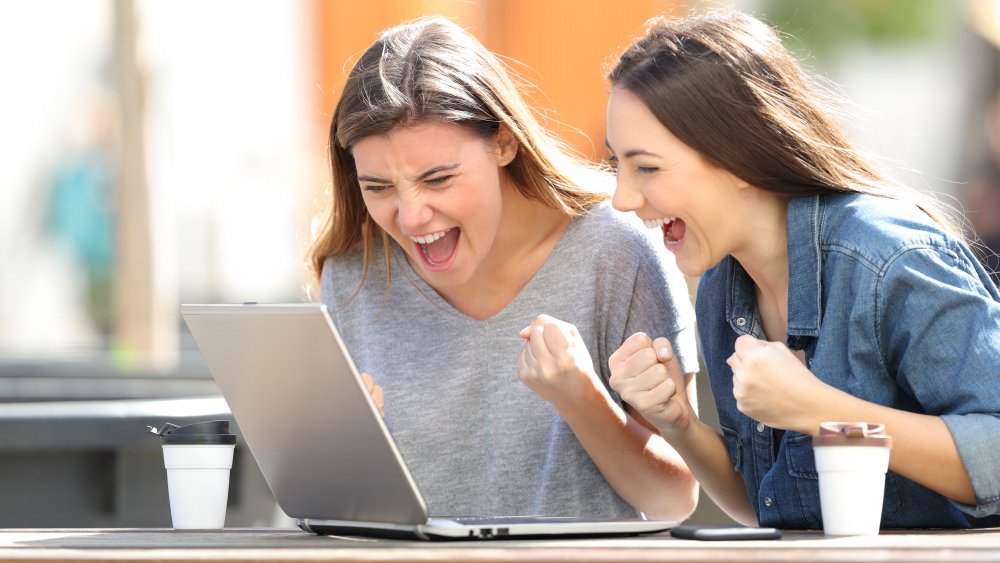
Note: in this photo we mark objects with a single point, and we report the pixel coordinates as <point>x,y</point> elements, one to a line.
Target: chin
<point>691,270</point>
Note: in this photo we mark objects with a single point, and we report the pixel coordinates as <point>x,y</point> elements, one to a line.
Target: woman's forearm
<point>923,449</point>
<point>634,459</point>
<point>704,451</point>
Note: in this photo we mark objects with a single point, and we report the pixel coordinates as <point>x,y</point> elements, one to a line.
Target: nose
<point>413,212</point>
<point>627,197</point>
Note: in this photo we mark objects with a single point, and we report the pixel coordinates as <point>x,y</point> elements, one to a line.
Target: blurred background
<point>158,153</point>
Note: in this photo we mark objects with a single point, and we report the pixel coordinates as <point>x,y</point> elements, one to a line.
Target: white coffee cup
<point>851,459</point>
<point>198,459</point>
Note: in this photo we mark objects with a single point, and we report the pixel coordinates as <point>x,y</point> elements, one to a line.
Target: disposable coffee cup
<point>198,458</point>
<point>851,459</point>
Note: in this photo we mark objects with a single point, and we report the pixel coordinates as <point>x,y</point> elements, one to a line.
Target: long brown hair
<point>433,70</point>
<point>724,85</point>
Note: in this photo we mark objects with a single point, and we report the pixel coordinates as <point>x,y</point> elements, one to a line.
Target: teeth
<point>427,239</point>
<point>657,223</point>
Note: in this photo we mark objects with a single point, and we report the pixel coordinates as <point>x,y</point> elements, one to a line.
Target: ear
<point>507,146</point>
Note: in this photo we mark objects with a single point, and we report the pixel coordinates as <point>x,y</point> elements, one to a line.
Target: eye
<point>375,188</point>
<point>440,180</point>
<point>646,169</point>
<point>612,162</point>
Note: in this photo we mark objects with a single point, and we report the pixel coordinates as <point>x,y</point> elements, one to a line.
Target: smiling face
<point>671,187</point>
<point>437,189</point>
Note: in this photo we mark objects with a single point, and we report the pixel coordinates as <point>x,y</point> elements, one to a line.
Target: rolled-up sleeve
<point>940,325</point>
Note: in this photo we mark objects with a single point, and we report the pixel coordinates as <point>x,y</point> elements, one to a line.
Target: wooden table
<point>292,545</point>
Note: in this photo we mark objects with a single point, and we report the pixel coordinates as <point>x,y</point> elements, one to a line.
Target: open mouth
<point>673,229</point>
<point>437,249</point>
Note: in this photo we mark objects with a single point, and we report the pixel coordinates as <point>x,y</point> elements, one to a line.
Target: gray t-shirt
<point>476,440</point>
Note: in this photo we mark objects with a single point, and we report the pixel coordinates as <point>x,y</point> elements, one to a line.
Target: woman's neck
<point>528,233</point>
<point>764,256</point>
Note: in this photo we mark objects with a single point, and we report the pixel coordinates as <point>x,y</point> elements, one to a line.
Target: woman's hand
<point>773,386</point>
<point>555,362</point>
<point>647,376</point>
<point>375,390</point>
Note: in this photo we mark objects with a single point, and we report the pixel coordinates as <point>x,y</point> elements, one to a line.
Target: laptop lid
<point>319,440</point>
<point>305,414</point>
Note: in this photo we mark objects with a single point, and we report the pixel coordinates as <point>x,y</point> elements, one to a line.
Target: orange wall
<point>563,46</point>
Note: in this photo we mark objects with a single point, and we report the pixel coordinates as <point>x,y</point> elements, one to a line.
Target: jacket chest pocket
<point>804,481</point>
<point>799,456</point>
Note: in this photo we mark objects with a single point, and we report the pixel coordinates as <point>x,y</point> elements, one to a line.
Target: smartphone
<point>716,533</point>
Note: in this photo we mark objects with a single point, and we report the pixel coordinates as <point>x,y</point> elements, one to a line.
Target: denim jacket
<point>888,308</point>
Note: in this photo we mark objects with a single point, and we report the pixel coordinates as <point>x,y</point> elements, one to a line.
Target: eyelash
<point>613,163</point>
<point>436,181</point>
<point>439,180</point>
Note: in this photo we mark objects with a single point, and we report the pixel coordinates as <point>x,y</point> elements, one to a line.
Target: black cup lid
<point>209,432</point>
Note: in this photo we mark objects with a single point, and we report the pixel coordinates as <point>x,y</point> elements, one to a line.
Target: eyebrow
<point>640,152</point>
<point>632,152</point>
<point>423,175</point>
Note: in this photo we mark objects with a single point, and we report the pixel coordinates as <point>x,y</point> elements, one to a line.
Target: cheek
<point>656,191</point>
<point>476,220</point>
<point>475,200</point>
<point>381,211</point>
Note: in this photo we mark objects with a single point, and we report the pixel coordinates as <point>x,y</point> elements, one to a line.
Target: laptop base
<point>509,528</point>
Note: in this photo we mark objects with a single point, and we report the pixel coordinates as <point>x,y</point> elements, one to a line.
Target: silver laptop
<point>316,434</point>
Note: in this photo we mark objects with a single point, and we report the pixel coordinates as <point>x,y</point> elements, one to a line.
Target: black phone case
<point>717,533</point>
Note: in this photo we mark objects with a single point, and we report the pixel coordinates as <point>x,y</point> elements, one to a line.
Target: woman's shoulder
<point>893,239</point>
<point>878,227</point>
<point>607,227</point>
<point>338,266</point>
<point>348,270</point>
<point>617,245</point>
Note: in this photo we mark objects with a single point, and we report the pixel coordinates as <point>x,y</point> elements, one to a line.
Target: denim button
<point>760,427</point>
<point>768,501</point>
<point>741,321</point>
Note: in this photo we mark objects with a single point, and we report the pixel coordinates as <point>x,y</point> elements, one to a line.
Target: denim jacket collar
<point>804,283</point>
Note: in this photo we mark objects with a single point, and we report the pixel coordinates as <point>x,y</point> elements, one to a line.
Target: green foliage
<point>821,26</point>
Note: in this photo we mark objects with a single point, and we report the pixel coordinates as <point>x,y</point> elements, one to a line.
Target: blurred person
<point>455,221</point>
<point>827,293</point>
<point>79,212</point>
<point>981,200</point>
<point>981,197</point>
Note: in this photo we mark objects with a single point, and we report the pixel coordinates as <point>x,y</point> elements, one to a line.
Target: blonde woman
<point>479,275</point>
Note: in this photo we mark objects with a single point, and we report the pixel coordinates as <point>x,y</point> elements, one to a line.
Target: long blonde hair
<point>433,70</point>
